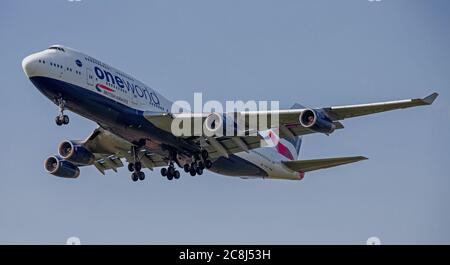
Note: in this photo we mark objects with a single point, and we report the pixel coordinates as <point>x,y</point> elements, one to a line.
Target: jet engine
<point>61,168</point>
<point>316,121</point>
<point>75,153</point>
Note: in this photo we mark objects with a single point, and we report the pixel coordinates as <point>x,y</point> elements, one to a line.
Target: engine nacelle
<point>75,153</point>
<point>61,168</point>
<point>316,121</point>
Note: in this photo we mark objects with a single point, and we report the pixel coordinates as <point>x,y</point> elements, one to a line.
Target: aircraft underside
<point>131,125</point>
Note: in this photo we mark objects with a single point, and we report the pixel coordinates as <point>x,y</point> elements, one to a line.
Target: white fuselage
<point>72,67</point>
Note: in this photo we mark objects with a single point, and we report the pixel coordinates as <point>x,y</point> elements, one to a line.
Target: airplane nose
<point>29,65</point>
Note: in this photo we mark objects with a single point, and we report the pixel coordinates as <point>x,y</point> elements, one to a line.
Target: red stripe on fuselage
<point>105,87</point>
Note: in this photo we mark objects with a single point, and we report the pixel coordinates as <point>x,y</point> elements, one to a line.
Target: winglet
<point>429,99</point>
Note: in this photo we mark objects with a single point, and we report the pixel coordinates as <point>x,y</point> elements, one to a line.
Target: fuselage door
<point>90,76</point>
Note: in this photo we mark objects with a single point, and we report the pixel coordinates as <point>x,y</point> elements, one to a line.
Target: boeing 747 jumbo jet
<point>136,126</point>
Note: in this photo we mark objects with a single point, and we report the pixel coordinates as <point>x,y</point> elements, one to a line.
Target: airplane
<point>134,126</point>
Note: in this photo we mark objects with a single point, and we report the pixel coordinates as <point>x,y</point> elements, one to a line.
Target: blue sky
<point>317,53</point>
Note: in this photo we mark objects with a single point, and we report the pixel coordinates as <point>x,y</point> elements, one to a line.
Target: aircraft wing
<point>109,150</point>
<point>287,123</point>
<point>316,164</point>
<point>344,112</point>
<point>289,118</point>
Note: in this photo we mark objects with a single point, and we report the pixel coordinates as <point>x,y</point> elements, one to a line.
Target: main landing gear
<point>61,118</point>
<point>197,168</point>
<point>200,162</point>
<point>170,172</point>
<point>136,167</point>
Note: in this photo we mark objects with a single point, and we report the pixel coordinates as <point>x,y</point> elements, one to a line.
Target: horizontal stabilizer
<point>315,164</point>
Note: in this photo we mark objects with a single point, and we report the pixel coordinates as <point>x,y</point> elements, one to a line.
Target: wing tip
<point>430,99</point>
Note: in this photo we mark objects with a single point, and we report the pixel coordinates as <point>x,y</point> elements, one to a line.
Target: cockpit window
<point>57,48</point>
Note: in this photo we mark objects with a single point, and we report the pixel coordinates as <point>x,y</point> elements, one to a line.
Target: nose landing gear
<point>61,118</point>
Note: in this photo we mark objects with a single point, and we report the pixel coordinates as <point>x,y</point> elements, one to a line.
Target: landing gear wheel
<point>141,175</point>
<point>134,177</point>
<point>65,119</point>
<point>208,163</point>
<point>204,154</point>
<point>193,172</point>
<point>186,168</point>
<point>59,121</point>
<point>199,171</point>
<point>163,171</point>
<point>171,171</point>
<point>177,174</point>
<point>137,166</point>
<point>201,165</point>
<point>130,167</point>
<point>169,176</point>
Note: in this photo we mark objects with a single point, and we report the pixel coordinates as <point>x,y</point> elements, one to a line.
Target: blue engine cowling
<point>75,153</point>
<point>316,121</point>
<point>61,168</point>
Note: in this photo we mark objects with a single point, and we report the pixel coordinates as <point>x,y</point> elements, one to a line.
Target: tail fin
<point>297,143</point>
<point>297,140</point>
<point>289,147</point>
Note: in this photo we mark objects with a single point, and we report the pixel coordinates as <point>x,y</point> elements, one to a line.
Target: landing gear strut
<point>170,172</point>
<point>200,163</point>
<point>61,118</point>
<point>136,166</point>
